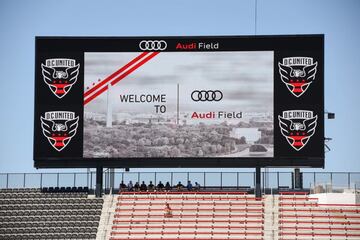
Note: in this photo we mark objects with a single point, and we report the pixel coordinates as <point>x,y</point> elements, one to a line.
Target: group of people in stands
<point>160,187</point>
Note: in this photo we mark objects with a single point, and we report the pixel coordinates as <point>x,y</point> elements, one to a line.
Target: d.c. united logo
<point>59,127</point>
<point>297,126</point>
<point>60,74</point>
<point>297,73</point>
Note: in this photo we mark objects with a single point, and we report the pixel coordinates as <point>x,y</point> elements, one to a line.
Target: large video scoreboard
<point>214,101</point>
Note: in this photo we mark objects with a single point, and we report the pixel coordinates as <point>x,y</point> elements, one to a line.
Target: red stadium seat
<point>304,218</point>
<point>195,215</point>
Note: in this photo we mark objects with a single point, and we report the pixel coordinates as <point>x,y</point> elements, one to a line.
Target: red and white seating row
<point>201,215</point>
<point>302,218</point>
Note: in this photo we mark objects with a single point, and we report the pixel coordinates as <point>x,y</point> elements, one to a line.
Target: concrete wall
<point>337,198</point>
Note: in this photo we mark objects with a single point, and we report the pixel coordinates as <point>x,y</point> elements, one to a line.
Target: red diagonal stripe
<point>106,80</point>
<point>122,76</point>
<point>89,99</point>
<point>118,79</point>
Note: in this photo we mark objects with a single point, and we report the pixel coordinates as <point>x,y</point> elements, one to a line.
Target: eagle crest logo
<point>59,128</point>
<point>297,126</point>
<point>60,74</point>
<point>297,73</point>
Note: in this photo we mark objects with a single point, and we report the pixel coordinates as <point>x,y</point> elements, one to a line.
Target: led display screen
<point>179,101</point>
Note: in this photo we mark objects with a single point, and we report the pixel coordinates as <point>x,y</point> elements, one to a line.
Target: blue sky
<point>21,21</point>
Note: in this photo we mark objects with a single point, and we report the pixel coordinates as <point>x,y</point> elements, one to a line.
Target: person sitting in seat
<point>167,187</point>
<point>179,186</point>
<point>137,187</point>
<point>197,186</point>
<point>122,187</point>
<point>151,187</point>
<point>143,187</point>
<point>168,211</point>
<point>189,186</point>
<point>130,186</point>
<point>160,186</point>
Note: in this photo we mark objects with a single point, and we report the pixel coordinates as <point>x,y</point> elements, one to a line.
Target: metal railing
<point>237,180</point>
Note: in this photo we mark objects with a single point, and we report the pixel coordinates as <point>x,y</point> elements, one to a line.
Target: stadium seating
<point>38,214</point>
<point>195,215</point>
<point>73,214</point>
<point>302,218</point>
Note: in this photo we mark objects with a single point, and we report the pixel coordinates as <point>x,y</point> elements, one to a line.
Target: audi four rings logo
<point>152,45</point>
<point>206,95</point>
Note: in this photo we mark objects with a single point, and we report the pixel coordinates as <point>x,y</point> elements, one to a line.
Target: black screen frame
<point>252,43</point>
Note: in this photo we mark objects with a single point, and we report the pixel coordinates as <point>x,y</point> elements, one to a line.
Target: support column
<point>112,178</point>
<point>298,183</point>
<point>99,181</point>
<point>258,182</point>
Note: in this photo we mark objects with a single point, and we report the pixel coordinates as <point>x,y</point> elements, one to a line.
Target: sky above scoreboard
<point>21,21</point>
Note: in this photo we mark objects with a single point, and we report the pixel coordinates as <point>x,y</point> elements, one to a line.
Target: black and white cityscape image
<point>180,104</point>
